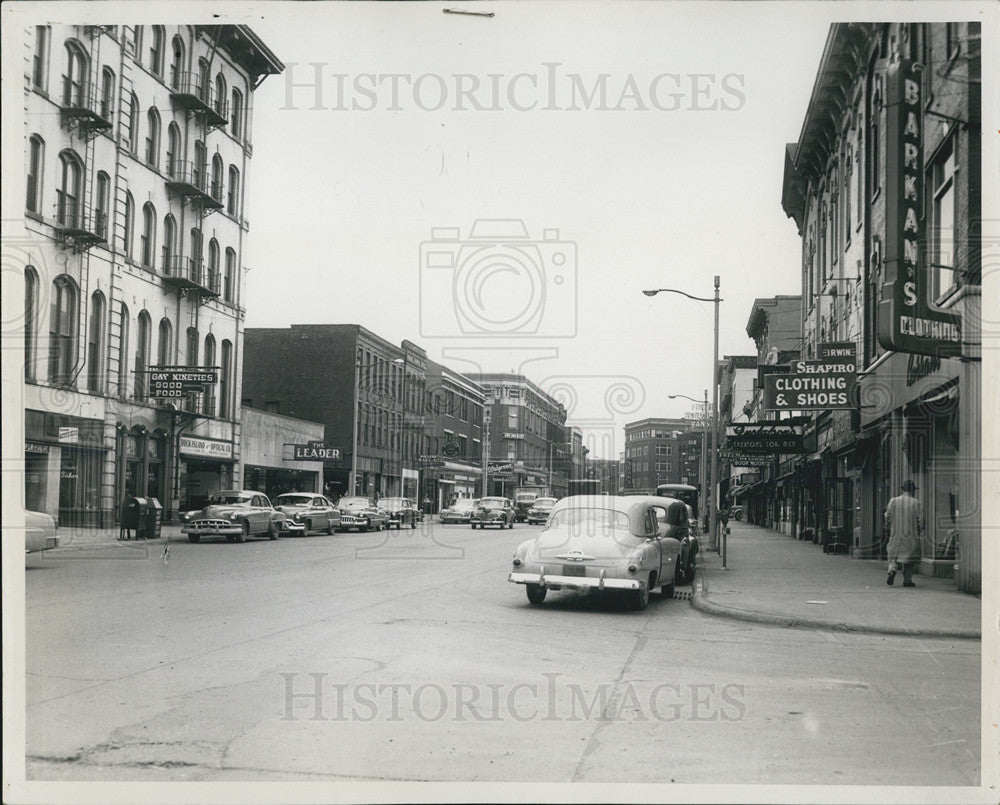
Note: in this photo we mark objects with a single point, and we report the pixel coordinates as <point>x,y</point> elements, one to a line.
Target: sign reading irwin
<point>906,320</point>
<point>179,382</point>
<point>315,451</point>
<point>820,385</point>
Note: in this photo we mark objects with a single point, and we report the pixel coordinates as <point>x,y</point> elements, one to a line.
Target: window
<point>191,347</point>
<point>133,125</point>
<point>137,43</point>
<point>663,449</point>
<point>123,327</point>
<point>107,93</point>
<point>209,403</point>
<point>129,227</point>
<point>225,379</point>
<point>95,343</point>
<point>220,95</point>
<point>103,205</point>
<point>68,194</point>
<point>942,223</point>
<point>196,255</point>
<point>233,200</point>
<point>36,158</point>
<point>203,80</point>
<point>164,353</point>
<point>62,327</point>
<point>153,138</point>
<point>217,168</point>
<point>213,263</point>
<point>141,361</point>
<point>169,244</point>
<point>156,50</point>
<point>148,242</point>
<point>227,280</point>
<point>953,43</point>
<point>200,165</point>
<point>75,79</point>
<point>30,321</point>
<point>236,114</point>
<point>177,64</point>
<point>40,57</point>
<point>173,150</point>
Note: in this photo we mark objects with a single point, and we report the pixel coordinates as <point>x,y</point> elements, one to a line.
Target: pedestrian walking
<point>905,520</point>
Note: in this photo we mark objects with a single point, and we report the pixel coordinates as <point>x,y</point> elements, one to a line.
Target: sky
<point>671,177</point>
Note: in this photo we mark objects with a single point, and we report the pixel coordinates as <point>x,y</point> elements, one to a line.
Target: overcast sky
<point>673,176</point>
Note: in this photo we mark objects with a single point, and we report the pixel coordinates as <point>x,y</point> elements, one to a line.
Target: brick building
<point>653,453</point>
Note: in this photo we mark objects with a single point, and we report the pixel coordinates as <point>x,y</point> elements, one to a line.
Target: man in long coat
<point>905,520</point>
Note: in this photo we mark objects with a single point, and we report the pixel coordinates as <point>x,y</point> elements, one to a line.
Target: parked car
<point>736,512</point>
<point>540,510</point>
<point>401,511</point>
<point>364,514</point>
<point>308,512</point>
<point>40,533</point>
<point>235,515</point>
<point>493,511</point>
<point>458,512</point>
<point>603,542</point>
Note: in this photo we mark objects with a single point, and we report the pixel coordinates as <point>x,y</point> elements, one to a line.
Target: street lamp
<point>702,465</point>
<point>713,506</point>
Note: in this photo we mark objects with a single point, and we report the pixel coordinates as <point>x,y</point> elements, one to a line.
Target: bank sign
<point>906,321</point>
<point>830,383</point>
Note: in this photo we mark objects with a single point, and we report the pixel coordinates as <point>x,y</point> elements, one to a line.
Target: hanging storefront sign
<point>315,451</point>
<point>829,383</point>
<point>172,382</point>
<point>763,439</point>
<point>208,448</point>
<point>431,461</point>
<point>500,469</point>
<point>511,435</point>
<point>738,459</point>
<point>906,320</point>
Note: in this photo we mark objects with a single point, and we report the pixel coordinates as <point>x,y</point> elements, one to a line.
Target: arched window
<point>233,201</point>
<point>123,335</point>
<point>196,256</point>
<point>177,64</point>
<point>40,58</point>
<point>133,125</point>
<point>191,347</point>
<point>236,114</point>
<point>225,379</point>
<point>30,321</point>
<point>62,330</point>
<point>213,264</point>
<point>153,138</point>
<point>107,99</point>
<point>165,351</point>
<point>141,362</point>
<point>217,169</point>
<point>129,224</point>
<point>75,79</point>
<point>148,243</point>
<point>137,43</point>
<point>95,344</point>
<point>200,165</point>
<point>220,95</point>
<point>209,357</point>
<point>68,194</point>
<point>36,159</point>
<point>203,80</point>
<point>228,280</point>
<point>156,51</point>
<point>169,244</point>
<point>173,150</point>
<point>102,205</point>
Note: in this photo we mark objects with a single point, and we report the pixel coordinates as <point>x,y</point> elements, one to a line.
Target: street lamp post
<point>713,504</point>
<point>353,480</point>
<point>702,465</point>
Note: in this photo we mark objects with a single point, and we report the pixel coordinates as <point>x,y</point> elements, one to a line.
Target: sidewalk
<point>777,579</point>
<point>78,537</point>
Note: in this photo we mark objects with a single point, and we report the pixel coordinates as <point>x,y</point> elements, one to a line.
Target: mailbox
<point>132,510</point>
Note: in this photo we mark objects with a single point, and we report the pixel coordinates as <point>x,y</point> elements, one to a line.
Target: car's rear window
<point>229,499</point>
<point>294,500</point>
<point>497,502</point>
<point>596,518</point>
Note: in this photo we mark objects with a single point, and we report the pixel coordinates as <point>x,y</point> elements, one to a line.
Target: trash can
<point>132,510</point>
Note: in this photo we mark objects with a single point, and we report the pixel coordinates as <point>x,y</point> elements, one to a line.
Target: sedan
<point>540,510</point>
<point>458,512</point>
<point>400,511</point>
<point>40,532</point>
<point>234,514</point>
<point>363,514</point>
<point>598,542</point>
<point>493,511</point>
<point>308,512</point>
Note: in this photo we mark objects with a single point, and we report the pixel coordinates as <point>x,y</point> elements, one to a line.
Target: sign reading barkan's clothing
<point>906,320</point>
<point>826,384</point>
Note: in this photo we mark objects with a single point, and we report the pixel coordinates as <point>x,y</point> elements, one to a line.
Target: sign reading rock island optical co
<point>829,383</point>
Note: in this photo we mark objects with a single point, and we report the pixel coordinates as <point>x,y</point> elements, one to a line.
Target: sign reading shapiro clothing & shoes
<point>826,384</point>
<point>906,320</point>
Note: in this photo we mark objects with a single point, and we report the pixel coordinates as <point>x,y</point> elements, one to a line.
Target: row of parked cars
<point>238,514</point>
<point>498,511</point>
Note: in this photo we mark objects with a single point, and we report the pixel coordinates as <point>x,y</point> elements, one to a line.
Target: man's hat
<point>909,486</point>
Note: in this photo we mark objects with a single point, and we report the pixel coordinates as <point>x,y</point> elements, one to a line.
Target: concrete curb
<point>701,602</point>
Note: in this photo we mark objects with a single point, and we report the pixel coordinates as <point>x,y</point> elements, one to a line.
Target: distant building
<point>652,453</point>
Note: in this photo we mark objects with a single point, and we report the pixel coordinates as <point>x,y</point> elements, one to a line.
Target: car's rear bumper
<point>601,582</point>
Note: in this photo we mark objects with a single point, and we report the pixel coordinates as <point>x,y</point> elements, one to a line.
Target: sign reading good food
<point>906,321</point>
<point>168,382</point>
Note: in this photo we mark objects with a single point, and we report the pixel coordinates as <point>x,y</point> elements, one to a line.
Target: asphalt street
<point>408,656</point>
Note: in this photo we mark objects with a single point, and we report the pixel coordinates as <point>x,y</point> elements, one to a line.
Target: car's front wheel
<point>536,593</point>
<point>272,531</point>
<point>640,598</point>
<point>194,538</point>
<point>330,527</point>
<point>244,532</point>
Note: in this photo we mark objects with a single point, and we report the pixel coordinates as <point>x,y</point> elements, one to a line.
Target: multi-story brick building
<point>652,453</point>
<point>138,143</point>
<point>884,185</point>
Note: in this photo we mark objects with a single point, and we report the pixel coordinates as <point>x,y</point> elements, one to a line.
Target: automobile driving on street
<point>492,511</point>
<point>235,514</point>
<point>459,511</point>
<point>308,512</point>
<point>540,510</point>
<point>604,543</point>
<point>400,511</point>
<point>361,513</point>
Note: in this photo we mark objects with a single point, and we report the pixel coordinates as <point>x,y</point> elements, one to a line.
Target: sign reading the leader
<point>315,451</point>
<point>816,385</point>
<point>906,320</point>
<point>170,382</point>
<point>762,438</point>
